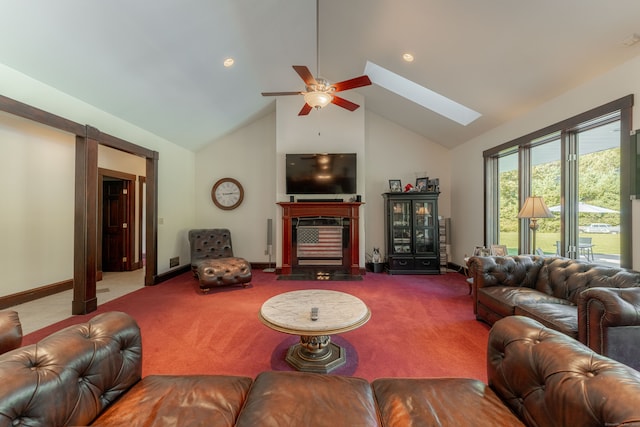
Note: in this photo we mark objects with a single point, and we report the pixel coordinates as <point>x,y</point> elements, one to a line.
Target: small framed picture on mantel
<point>395,186</point>
<point>421,184</point>
<point>433,185</point>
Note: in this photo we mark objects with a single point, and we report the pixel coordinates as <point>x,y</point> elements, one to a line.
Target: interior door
<point>114,226</point>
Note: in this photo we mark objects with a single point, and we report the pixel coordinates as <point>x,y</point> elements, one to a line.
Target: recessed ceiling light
<point>228,62</point>
<point>407,57</point>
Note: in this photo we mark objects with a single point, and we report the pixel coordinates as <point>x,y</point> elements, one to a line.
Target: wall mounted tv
<point>321,173</point>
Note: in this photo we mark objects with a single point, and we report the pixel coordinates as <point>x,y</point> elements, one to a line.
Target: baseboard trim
<point>457,268</point>
<point>34,294</point>
<point>261,265</point>
<point>171,274</point>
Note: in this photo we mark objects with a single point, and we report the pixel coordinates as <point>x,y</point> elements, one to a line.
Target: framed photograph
<point>479,251</point>
<point>498,250</point>
<point>433,185</point>
<point>395,186</point>
<point>421,184</point>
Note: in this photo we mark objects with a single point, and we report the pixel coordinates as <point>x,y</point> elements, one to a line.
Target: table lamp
<point>534,208</point>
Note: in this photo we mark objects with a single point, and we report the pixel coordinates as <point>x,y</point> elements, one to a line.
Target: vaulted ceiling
<point>159,64</point>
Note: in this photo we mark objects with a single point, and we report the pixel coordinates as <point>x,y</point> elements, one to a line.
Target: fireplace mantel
<point>292,210</point>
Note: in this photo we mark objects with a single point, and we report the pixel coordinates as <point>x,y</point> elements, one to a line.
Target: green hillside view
<point>599,176</point>
<point>599,183</point>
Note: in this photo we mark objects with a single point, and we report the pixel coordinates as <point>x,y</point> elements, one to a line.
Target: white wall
<point>36,231</point>
<point>109,158</point>
<point>176,179</point>
<point>467,197</point>
<point>247,155</point>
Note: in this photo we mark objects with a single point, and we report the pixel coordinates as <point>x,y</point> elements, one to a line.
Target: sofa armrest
<point>603,308</point>
<point>10,331</point>
<point>550,379</point>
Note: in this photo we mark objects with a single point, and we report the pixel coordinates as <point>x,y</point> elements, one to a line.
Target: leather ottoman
<point>214,272</point>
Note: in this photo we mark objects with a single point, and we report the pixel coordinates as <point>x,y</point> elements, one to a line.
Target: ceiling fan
<point>319,92</point>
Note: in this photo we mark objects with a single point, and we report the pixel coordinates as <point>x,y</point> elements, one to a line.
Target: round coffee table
<point>292,313</point>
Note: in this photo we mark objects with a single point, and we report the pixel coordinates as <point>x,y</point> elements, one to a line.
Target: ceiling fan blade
<point>352,83</point>
<point>280,93</point>
<point>341,102</point>
<point>305,74</point>
<point>306,109</point>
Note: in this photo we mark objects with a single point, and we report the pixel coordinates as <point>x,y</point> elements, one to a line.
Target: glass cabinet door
<point>424,227</point>
<point>401,227</point>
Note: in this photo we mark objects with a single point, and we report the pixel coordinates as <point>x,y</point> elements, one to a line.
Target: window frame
<point>566,129</point>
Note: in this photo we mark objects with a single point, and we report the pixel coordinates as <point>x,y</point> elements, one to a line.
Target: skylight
<point>420,95</point>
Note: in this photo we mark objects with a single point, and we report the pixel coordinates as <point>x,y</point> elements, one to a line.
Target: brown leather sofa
<point>597,305</point>
<point>10,331</point>
<point>212,260</point>
<point>90,374</point>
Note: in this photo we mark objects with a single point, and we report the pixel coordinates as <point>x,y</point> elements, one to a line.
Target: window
<point>546,180</point>
<point>577,166</point>
<point>508,205</point>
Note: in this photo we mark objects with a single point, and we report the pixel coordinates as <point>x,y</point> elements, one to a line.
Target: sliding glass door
<point>578,169</point>
<point>598,194</point>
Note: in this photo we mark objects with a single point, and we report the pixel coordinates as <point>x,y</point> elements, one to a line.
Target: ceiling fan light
<point>317,99</point>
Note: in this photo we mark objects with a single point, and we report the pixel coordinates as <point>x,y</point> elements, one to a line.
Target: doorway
<point>118,222</point>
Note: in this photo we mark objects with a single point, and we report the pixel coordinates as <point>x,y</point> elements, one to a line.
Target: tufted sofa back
<point>507,271</point>
<point>527,366</point>
<point>566,278</point>
<point>210,243</point>
<point>563,278</point>
<point>69,377</point>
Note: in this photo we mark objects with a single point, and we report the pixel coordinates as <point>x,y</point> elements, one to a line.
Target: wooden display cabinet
<point>411,233</point>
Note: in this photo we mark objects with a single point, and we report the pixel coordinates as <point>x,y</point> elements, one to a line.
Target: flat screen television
<point>333,173</point>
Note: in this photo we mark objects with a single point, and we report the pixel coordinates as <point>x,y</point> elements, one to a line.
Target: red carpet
<point>421,326</point>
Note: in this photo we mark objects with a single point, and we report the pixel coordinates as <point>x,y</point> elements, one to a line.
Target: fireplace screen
<point>319,243</point>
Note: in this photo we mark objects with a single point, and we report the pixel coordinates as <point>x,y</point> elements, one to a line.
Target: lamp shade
<point>317,99</point>
<point>534,207</point>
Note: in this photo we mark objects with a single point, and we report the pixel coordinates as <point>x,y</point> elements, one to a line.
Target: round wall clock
<point>227,193</point>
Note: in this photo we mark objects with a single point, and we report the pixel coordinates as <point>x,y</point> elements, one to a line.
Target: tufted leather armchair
<point>71,387</point>
<point>212,260</point>
<point>597,305</point>
<point>548,380</point>
<point>209,244</point>
<point>10,331</point>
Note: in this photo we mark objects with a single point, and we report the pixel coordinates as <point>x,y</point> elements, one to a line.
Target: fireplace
<point>320,235</point>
